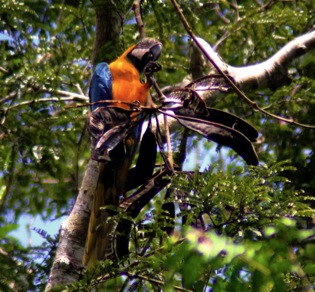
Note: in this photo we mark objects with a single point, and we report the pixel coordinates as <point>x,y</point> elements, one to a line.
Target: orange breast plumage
<point>126,82</point>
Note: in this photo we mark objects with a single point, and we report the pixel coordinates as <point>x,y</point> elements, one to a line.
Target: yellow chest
<point>126,83</point>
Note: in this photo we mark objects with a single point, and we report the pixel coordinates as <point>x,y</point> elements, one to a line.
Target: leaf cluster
<point>252,238</point>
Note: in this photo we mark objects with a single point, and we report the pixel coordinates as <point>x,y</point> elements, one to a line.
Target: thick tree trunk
<point>108,28</point>
<point>67,264</point>
<point>68,260</point>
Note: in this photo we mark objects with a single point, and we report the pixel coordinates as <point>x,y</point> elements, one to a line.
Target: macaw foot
<point>151,68</point>
<point>135,105</point>
<point>100,157</point>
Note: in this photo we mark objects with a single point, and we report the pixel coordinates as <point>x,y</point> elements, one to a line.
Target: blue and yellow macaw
<point>120,81</point>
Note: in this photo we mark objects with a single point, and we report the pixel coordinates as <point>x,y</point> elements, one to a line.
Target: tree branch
<point>68,261</point>
<point>50,99</point>
<point>156,281</point>
<point>69,96</point>
<point>137,11</point>
<point>272,72</point>
<point>219,66</point>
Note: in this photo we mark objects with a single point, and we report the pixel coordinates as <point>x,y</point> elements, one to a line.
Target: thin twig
<point>106,277</point>
<point>10,179</point>
<point>240,93</point>
<point>307,286</point>
<point>8,97</point>
<point>155,281</point>
<point>182,149</point>
<point>169,165</point>
<point>126,14</point>
<point>266,5</point>
<point>136,8</point>
<point>51,99</point>
<point>167,129</point>
<point>134,106</point>
<point>220,15</point>
<point>157,89</point>
<point>77,85</point>
<point>3,70</point>
<point>168,143</point>
<point>236,9</point>
<point>70,96</point>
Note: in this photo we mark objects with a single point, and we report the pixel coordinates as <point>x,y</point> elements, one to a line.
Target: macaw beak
<point>156,51</point>
<point>147,50</point>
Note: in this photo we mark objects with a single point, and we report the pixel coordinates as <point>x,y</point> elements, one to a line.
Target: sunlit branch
<point>46,100</point>
<point>8,97</point>
<point>213,58</point>
<point>68,96</point>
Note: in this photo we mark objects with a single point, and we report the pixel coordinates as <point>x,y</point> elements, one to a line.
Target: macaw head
<point>143,52</point>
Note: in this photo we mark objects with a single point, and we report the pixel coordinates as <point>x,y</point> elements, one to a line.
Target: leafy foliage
<point>252,240</point>
<point>24,268</point>
<point>258,220</point>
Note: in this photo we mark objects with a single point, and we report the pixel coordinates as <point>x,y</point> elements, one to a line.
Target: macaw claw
<point>101,157</point>
<point>151,68</point>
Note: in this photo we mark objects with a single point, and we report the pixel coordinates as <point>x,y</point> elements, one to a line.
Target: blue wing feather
<point>101,85</point>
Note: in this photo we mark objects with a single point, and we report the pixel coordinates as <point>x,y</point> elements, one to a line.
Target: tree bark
<point>271,73</point>
<point>67,264</point>
<point>108,28</point>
